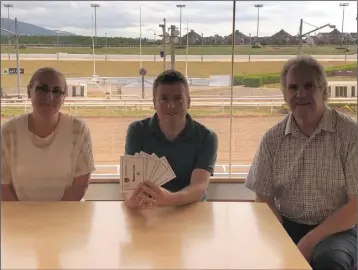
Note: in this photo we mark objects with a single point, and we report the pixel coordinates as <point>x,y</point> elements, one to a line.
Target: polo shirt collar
<point>188,131</point>
<point>327,123</point>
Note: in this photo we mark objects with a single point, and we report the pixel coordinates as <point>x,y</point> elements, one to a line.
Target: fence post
<point>113,143</point>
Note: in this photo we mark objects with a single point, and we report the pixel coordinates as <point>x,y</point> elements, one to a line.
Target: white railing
<point>127,57</point>
<point>129,102</point>
<point>135,98</point>
<point>221,170</point>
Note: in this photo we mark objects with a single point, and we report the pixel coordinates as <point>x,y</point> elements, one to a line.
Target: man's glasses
<point>44,90</point>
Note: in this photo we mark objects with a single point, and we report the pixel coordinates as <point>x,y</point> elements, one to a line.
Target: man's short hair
<point>309,61</point>
<point>170,77</point>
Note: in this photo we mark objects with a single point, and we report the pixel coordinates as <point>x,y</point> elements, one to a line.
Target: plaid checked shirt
<point>309,178</point>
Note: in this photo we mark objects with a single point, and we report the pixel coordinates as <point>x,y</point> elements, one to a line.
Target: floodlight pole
<point>187,49</point>
<point>93,50</point>
<point>180,7</point>
<point>95,6</point>
<point>343,5</point>
<point>258,6</point>
<point>309,32</point>
<point>8,6</point>
<point>164,27</point>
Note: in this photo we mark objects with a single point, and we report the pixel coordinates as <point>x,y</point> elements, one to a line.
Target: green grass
<point>198,50</point>
<point>130,69</point>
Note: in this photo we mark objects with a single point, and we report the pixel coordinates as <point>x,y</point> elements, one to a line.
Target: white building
<point>342,89</point>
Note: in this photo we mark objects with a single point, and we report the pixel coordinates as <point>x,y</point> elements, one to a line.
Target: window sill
<point>212,180</point>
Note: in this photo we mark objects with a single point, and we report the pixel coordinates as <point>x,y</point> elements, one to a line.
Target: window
<point>73,90</point>
<point>82,90</point>
<point>341,91</point>
<point>110,60</point>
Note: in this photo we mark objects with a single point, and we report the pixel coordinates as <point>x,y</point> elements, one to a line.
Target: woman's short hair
<point>46,70</point>
<point>170,77</point>
<point>310,62</point>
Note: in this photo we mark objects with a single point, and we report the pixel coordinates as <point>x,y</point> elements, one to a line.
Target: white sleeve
<point>85,161</point>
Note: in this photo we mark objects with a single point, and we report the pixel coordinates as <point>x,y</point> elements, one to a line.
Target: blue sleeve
<point>133,139</point>
<point>207,155</point>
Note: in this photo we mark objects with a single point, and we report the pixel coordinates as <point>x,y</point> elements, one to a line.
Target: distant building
<point>334,37</point>
<point>240,38</point>
<point>281,38</point>
<point>194,38</point>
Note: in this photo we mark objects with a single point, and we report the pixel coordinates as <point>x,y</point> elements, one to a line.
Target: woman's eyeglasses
<point>44,90</point>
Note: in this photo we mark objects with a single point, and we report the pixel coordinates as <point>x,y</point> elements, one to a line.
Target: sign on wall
<point>11,71</point>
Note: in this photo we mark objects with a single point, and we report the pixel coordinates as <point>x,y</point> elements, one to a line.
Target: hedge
<point>256,80</point>
<point>330,70</point>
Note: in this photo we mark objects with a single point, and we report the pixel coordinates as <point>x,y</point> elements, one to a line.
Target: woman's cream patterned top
<point>40,169</point>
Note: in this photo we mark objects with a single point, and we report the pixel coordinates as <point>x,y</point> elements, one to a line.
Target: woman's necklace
<point>44,142</point>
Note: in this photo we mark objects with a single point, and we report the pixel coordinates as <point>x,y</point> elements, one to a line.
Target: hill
<point>28,29</point>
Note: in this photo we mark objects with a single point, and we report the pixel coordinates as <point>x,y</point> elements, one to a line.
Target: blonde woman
<point>46,155</point>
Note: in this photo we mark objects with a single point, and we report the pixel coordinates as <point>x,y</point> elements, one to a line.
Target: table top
<point>107,235</point>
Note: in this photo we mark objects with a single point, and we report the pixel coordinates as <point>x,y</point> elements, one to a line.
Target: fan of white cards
<point>144,167</point>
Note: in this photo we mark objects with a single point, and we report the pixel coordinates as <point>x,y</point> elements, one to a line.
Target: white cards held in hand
<point>144,167</point>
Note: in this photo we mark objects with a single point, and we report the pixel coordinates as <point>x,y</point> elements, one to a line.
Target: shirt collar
<point>188,131</point>
<point>327,123</point>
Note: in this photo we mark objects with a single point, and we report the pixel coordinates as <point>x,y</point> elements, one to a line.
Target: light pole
<point>345,47</point>
<point>140,36</point>
<point>105,45</point>
<point>187,49</point>
<point>8,6</point>
<point>16,34</point>
<point>93,53</point>
<point>343,5</point>
<point>180,7</point>
<point>173,40</point>
<point>309,32</point>
<point>95,6</point>
<point>164,27</point>
<point>258,6</point>
<point>202,47</point>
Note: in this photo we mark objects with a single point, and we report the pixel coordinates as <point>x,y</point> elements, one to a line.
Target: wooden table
<point>106,235</point>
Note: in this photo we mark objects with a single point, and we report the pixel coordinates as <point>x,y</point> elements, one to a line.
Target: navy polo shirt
<point>194,148</point>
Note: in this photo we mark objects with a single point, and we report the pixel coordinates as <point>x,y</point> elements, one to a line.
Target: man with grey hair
<point>306,170</point>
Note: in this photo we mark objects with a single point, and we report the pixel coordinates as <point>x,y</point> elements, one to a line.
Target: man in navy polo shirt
<point>190,147</point>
